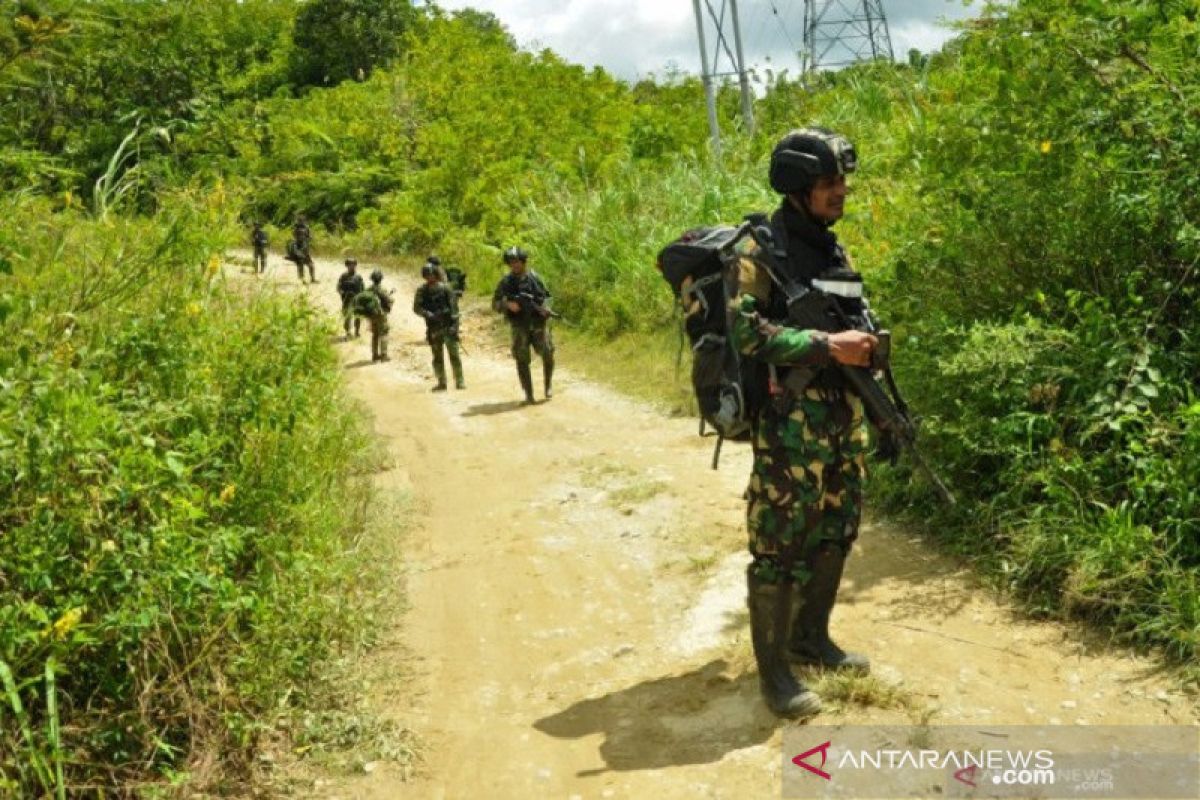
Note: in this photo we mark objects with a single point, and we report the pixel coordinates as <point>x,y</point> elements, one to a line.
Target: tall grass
<point>176,497</point>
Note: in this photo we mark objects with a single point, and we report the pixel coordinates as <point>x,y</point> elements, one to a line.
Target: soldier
<point>438,305</point>
<point>258,240</point>
<point>805,494</point>
<point>521,296</point>
<point>375,304</point>
<point>349,286</point>
<point>453,276</point>
<point>300,248</point>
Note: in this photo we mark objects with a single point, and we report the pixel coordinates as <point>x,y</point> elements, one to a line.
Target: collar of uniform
<point>800,225</point>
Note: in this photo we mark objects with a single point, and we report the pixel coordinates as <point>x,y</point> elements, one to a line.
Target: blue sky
<point>634,38</point>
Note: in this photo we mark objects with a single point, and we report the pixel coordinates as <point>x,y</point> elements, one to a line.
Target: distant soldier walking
<point>300,249</point>
<point>437,304</point>
<point>522,296</point>
<point>375,304</point>
<point>258,240</point>
<point>349,286</point>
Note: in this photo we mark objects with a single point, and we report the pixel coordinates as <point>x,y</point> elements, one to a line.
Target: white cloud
<point>632,38</point>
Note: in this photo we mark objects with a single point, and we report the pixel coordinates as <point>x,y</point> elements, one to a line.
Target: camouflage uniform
<point>529,328</point>
<point>375,304</point>
<point>302,236</point>
<point>258,239</point>
<point>809,449</point>
<point>349,286</point>
<point>438,306</point>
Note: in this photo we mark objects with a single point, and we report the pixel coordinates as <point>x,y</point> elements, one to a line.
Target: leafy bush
<point>176,500</point>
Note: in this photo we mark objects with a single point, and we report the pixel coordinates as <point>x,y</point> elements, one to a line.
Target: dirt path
<point>576,622</point>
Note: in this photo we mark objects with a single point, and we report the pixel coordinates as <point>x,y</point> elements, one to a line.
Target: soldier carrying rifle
<point>521,296</point>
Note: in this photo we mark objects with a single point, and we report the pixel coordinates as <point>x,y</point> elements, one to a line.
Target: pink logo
<point>823,749</point>
<point>966,774</point>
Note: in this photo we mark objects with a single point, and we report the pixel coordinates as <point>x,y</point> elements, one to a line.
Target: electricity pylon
<point>711,63</point>
<point>838,33</point>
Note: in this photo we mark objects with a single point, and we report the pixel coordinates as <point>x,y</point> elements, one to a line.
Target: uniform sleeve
<point>498,297</point>
<point>453,295</point>
<point>754,336</point>
<point>417,302</point>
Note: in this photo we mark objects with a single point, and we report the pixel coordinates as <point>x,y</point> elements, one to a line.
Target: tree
<point>340,39</point>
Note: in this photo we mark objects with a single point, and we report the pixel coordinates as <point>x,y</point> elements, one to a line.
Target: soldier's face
<point>516,266</point>
<point>827,200</point>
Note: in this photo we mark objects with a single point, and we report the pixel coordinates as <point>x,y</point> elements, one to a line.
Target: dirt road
<point>576,623</point>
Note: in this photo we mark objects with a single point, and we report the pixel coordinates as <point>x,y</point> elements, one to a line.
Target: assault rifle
<point>531,304</point>
<point>833,303</point>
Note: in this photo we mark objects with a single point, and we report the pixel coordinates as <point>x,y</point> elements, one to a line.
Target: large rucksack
<point>457,280</point>
<point>702,268</point>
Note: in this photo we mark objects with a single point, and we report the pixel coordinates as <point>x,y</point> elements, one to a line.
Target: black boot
<point>526,382</point>
<point>810,642</point>
<point>771,608</point>
<point>547,374</point>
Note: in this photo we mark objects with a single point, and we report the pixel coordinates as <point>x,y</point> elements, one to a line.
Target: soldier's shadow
<point>488,409</point>
<point>366,362</point>
<point>694,718</point>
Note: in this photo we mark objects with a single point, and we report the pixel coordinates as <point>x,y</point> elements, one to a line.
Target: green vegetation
<point>173,461</point>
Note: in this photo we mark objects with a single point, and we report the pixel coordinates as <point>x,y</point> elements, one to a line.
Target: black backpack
<point>702,268</point>
<point>457,280</point>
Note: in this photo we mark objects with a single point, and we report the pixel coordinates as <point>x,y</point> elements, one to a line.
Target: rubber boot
<point>439,370</point>
<point>456,368</point>
<point>810,642</point>
<point>547,374</point>
<point>357,327</point>
<point>383,356</point>
<point>526,382</point>
<point>772,606</point>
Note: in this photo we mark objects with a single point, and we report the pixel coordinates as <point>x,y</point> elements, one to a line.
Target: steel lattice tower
<point>842,32</point>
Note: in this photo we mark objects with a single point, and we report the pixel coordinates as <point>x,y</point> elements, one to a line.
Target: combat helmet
<point>428,269</point>
<point>376,276</point>
<point>805,154</point>
<point>437,262</point>
<point>515,254</point>
<point>351,262</point>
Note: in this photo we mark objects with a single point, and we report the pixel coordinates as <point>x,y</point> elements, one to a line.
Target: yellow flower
<point>1045,147</point>
<point>63,625</point>
<point>193,309</point>
<point>228,492</point>
<point>214,265</point>
<point>108,546</point>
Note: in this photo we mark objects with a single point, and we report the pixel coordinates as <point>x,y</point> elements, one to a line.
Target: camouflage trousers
<point>306,261</point>
<point>806,482</point>
<point>348,316</point>
<point>379,333</point>
<point>535,337</point>
<point>443,341</point>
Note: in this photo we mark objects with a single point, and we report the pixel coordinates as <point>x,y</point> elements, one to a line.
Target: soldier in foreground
<point>375,304</point>
<point>349,286</point>
<point>809,438</point>
<point>258,240</point>
<point>521,296</point>
<point>437,304</point>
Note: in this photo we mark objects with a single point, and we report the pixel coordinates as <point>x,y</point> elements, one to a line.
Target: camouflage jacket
<point>350,285</point>
<point>527,289</point>
<point>437,304</point>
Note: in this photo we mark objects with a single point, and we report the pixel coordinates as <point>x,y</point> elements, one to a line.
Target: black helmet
<point>428,268</point>
<point>433,260</point>
<point>806,154</point>
<point>515,254</point>
<point>351,262</point>
<point>376,276</point>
